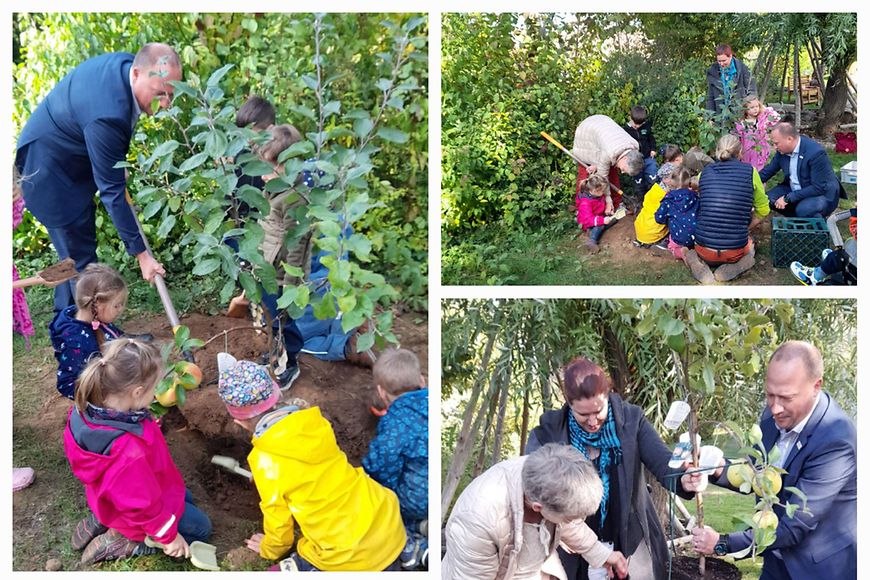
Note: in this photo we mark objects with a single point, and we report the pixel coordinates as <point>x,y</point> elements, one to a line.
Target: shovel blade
<point>204,556</point>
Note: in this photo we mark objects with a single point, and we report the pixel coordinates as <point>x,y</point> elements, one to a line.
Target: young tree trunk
<point>768,73</point>
<point>784,72</point>
<point>699,497</point>
<point>836,96</point>
<point>502,410</point>
<point>617,361</point>
<point>464,443</point>
<point>524,429</point>
<point>797,86</point>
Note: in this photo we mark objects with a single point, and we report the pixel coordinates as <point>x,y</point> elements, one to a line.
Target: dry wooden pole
<point>524,430</point>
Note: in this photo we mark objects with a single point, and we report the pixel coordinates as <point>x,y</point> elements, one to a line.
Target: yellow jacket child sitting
<point>347,520</point>
<point>647,230</point>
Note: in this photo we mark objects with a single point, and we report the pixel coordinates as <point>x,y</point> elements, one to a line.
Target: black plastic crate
<point>798,239</point>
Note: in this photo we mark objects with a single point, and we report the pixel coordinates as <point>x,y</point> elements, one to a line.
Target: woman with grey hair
<point>620,442</point>
<point>604,147</point>
<point>731,202</point>
<point>508,522</point>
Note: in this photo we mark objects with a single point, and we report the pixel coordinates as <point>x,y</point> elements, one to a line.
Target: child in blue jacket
<point>398,456</point>
<point>678,211</point>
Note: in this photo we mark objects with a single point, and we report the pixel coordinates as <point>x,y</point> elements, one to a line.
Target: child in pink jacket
<point>116,449</point>
<point>591,207</point>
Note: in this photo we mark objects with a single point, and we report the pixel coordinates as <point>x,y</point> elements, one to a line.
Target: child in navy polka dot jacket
<point>678,211</point>
<point>79,331</point>
<point>398,456</point>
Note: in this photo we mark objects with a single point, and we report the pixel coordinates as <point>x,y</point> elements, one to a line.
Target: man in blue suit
<point>810,187</point>
<point>69,146</point>
<point>817,443</point>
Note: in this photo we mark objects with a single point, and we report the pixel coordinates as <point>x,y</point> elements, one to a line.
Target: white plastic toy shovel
<point>620,213</point>
<point>202,555</point>
<point>231,464</point>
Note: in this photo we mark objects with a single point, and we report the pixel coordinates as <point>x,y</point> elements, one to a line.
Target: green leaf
<point>324,308</point>
<point>152,208</point>
<point>393,135</point>
<point>217,75</point>
<point>206,267</point>
<point>296,150</point>
<point>182,333</point>
<point>365,341</point>
<point>216,144</point>
<point>193,162</point>
<point>331,108</point>
<point>165,148</point>
<point>357,114</point>
<point>346,303</point>
<point>166,226</point>
<point>306,112</point>
<point>709,381</point>
<point>362,127</point>
<point>214,221</point>
<point>252,289</point>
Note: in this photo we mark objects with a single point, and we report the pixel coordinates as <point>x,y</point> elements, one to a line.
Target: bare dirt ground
<point>195,433</point>
<point>618,252</point>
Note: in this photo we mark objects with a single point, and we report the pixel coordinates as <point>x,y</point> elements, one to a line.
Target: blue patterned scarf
<point>607,442</point>
<point>727,76</point>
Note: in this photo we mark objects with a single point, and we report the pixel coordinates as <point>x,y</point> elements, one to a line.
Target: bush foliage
<point>355,86</point>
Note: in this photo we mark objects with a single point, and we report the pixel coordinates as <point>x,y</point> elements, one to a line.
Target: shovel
<point>202,555</point>
<point>159,283</point>
<point>576,160</point>
<point>232,465</point>
<point>53,275</point>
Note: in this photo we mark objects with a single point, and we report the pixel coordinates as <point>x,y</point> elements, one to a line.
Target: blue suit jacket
<point>70,144</point>
<point>815,173</point>
<point>822,464</point>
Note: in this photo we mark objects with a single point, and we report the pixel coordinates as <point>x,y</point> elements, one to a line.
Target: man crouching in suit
<point>817,441</point>
<point>810,187</point>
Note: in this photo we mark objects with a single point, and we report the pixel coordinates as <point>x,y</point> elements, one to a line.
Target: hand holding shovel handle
<point>574,157</point>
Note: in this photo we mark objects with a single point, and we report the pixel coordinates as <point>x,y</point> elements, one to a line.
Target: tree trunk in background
<point>524,429</point>
<point>836,95</point>
<point>768,74</point>
<point>797,86</point>
<point>498,436</point>
<point>465,441</point>
<point>617,362</point>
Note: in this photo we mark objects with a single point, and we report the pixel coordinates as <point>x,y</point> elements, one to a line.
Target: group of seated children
<point>351,518</point>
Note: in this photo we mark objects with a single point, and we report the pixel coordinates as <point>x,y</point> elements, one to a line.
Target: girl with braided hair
<point>80,330</point>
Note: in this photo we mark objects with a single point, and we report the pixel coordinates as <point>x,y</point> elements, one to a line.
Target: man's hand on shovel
<point>149,266</point>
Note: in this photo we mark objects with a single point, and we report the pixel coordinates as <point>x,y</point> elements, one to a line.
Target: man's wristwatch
<point>721,547</point>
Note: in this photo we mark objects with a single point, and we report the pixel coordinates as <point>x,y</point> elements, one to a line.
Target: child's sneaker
<point>661,245</point>
<point>110,546</point>
<point>288,377</point>
<point>806,275</point>
<point>86,530</point>
<point>412,556</point>
<point>592,246</point>
<point>22,477</point>
<point>639,244</point>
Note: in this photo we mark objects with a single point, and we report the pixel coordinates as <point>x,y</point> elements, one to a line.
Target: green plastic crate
<point>798,239</point>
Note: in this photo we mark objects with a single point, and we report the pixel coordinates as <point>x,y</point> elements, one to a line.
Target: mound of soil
<point>686,568</point>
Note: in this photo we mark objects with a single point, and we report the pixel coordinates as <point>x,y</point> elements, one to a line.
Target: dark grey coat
<point>744,85</point>
<point>638,523</point>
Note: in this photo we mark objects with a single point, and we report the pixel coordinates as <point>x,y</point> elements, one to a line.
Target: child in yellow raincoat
<point>347,520</point>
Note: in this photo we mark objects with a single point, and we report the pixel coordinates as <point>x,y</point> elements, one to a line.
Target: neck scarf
<point>727,75</point>
<point>607,442</point>
<point>133,417</point>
